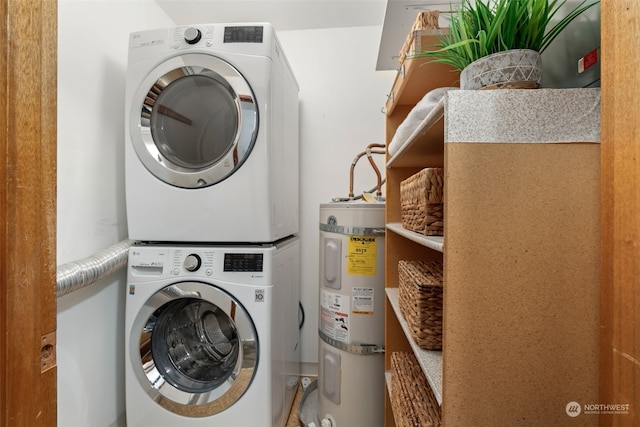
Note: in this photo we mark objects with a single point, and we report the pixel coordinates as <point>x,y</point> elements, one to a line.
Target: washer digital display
<point>243,262</point>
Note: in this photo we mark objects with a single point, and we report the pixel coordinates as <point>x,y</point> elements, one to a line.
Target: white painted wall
<point>341,99</point>
<point>92,53</point>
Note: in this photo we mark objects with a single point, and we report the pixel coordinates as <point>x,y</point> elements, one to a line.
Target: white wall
<point>92,56</point>
<point>341,100</point>
<point>341,97</point>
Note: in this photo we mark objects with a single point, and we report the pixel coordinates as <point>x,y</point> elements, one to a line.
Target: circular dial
<point>192,35</point>
<point>192,262</point>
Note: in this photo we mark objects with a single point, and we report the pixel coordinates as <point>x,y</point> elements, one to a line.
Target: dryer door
<point>194,348</point>
<point>194,121</point>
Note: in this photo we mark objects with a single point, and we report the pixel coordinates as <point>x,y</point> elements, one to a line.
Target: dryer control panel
<point>243,34</point>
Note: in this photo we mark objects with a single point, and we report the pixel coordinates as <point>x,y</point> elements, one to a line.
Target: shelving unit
<point>423,144</point>
<point>423,148</point>
<point>430,361</point>
<point>432,242</point>
<point>520,249</point>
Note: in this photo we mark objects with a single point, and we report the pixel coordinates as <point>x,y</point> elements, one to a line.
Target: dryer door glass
<point>197,121</point>
<point>197,350</point>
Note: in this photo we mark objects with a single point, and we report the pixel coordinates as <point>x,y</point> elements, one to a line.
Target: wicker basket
<point>421,202</point>
<point>420,299</point>
<point>424,21</point>
<point>413,401</point>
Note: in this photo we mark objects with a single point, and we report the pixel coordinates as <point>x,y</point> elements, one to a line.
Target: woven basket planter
<point>421,202</point>
<point>413,401</point>
<point>420,299</point>
<point>511,69</point>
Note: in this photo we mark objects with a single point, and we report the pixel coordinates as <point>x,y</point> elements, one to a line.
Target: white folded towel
<point>415,117</point>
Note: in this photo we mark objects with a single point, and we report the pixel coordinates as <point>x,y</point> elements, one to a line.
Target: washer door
<point>194,121</point>
<point>194,349</point>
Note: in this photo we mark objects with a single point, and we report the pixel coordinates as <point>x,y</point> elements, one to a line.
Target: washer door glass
<point>196,123</point>
<point>197,349</point>
<point>195,345</point>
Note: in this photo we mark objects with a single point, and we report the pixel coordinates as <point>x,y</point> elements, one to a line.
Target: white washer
<point>211,335</point>
<point>211,135</point>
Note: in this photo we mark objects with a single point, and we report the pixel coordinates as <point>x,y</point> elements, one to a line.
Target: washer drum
<point>351,324</point>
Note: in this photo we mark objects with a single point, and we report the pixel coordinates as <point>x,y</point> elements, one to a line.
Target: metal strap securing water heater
<point>352,231</point>
<point>363,349</point>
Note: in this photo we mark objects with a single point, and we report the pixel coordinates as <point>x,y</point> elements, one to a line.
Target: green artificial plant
<point>482,27</point>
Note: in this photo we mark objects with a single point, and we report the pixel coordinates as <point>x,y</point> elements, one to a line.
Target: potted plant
<point>497,43</point>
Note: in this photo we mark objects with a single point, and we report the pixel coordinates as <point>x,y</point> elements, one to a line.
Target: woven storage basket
<point>413,401</point>
<point>420,299</point>
<point>424,21</point>
<point>421,202</point>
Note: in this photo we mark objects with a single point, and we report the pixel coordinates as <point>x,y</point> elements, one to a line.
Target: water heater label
<point>361,255</point>
<point>362,300</point>
<point>334,315</point>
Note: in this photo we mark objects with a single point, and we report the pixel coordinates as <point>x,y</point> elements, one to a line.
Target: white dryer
<point>211,335</point>
<point>211,126</point>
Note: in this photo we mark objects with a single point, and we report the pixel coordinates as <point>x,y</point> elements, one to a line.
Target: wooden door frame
<point>620,212</point>
<point>28,103</point>
<point>28,91</point>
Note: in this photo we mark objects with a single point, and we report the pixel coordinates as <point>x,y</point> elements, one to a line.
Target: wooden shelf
<point>387,378</point>
<point>420,75</point>
<point>432,242</point>
<point>429,361</point>
<point>515,248</point>
<point>424,144</point>
<point>424,147</point>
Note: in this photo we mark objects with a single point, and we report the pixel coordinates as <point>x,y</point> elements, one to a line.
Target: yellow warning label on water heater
<point>361,255</point>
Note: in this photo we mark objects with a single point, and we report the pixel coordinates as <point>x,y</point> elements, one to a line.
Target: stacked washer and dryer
<point>212,199</point>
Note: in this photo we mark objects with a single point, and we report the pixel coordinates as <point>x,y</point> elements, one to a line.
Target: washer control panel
<point>192,262</point>
<point>187,260</point>
<point>248,265</point>
<point>243,262</point>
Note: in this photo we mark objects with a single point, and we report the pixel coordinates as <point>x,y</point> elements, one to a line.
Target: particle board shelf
<point>509,258</point>
<point>424,147</point>
<point>425,143</point>
<point>417,76</point>
<point>433,242</point>
<point>387,380</point>
<point>516,247</point>
<point>430,361</point>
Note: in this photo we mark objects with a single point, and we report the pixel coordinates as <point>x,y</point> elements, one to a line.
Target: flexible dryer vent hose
<point>76,275</point>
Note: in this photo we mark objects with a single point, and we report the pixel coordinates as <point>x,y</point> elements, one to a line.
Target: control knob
<point>192,262</point>
<point>192,35</point>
